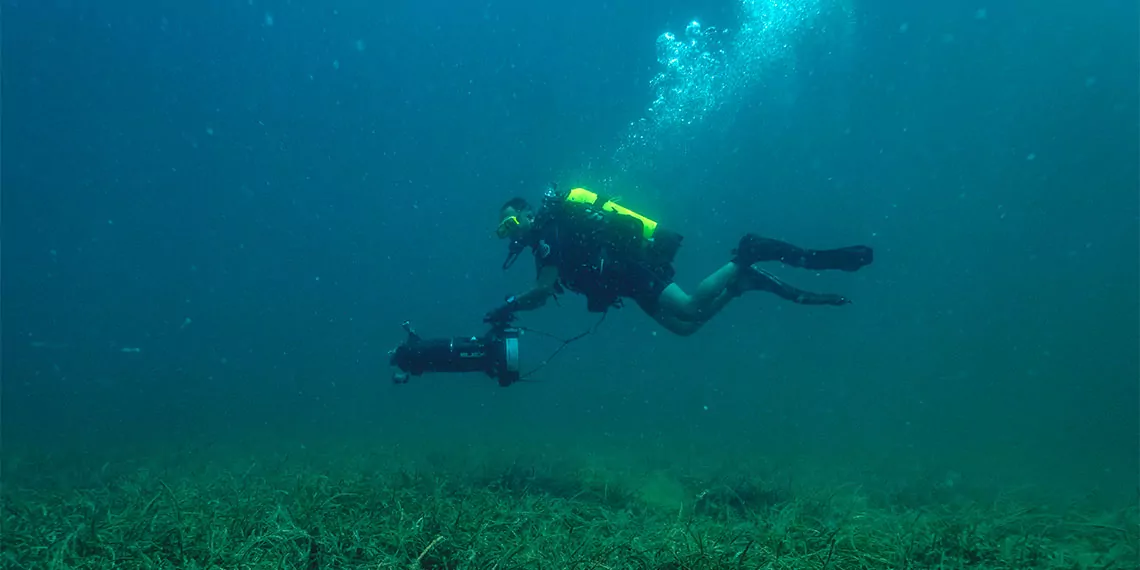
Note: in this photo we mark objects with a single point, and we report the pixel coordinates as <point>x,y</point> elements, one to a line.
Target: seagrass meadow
<point>346,507</point>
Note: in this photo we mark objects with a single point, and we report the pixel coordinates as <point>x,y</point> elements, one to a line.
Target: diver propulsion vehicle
<point>495,353</point>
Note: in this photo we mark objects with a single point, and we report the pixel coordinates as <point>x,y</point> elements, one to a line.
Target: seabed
<point>398,509</point>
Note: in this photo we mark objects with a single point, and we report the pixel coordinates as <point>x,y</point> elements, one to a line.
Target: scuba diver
<point>589,244</point>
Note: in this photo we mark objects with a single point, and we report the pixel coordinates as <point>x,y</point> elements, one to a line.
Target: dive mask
<point>507,226</point>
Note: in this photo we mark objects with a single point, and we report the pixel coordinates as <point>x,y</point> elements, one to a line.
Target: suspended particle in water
<point>359,45</point>
<point>268,20</point>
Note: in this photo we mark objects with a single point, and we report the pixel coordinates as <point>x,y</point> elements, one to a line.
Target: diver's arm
<point>543,288</point>
<point>530,300</point>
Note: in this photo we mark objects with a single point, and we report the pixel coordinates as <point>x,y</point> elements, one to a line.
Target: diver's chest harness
<point>596,241</point>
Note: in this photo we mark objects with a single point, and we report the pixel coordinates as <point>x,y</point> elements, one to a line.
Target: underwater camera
<point>496,353</point>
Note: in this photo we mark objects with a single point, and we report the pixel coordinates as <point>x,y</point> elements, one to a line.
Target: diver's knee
<point>686,309</point>
<point>682,328</point>
<point>676,303</point>
<point>696,314</point>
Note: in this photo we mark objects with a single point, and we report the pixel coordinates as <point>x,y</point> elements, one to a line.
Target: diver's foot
<point>754,249</point>
<point>751,278</point>
<point>825,299</point>
<point>851,258</point>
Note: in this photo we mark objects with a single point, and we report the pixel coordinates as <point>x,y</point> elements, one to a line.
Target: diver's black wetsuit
<point>593,263</point>
<point>596,264</point>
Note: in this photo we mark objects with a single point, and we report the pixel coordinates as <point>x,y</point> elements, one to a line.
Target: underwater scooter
<point>496,353</point>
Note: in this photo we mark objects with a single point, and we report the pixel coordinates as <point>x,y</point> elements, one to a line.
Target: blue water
<point>217,214</point>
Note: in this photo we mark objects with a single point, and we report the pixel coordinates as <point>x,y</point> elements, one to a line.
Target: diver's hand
<point>504,312</point>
